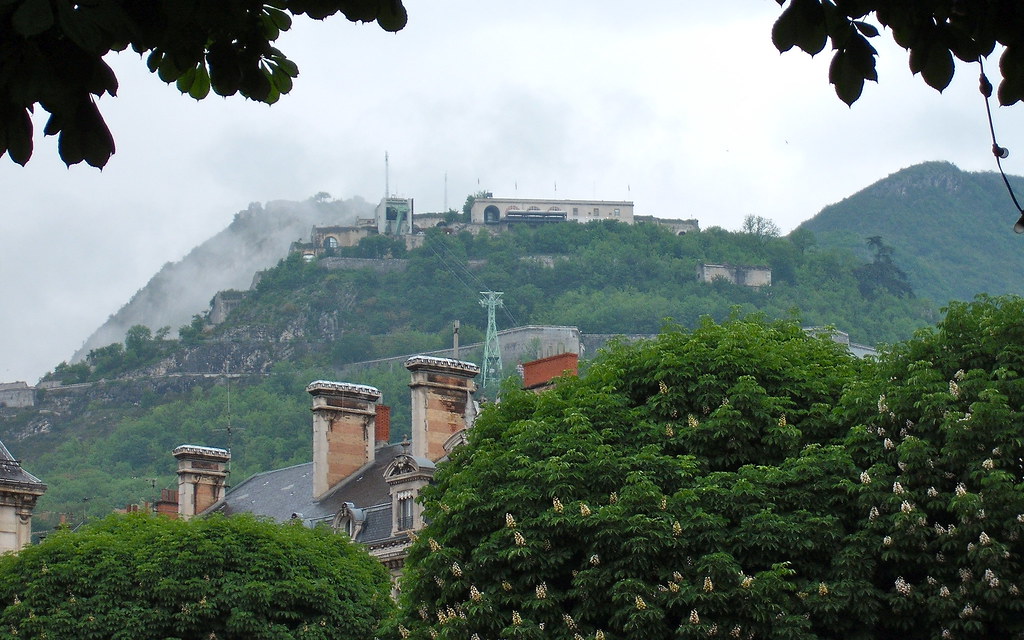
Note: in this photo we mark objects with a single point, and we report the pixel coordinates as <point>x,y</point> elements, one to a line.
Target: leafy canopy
<point>141,576</point>
<point>932,32</point>
<point>746,481</point>
<point>682,486</point>
<point>51,55</point>
<point>939,431</point>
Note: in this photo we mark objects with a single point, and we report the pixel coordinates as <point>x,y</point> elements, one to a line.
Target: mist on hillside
<point>256,239</point>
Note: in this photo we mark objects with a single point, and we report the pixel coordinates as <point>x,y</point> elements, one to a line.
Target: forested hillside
<point>113,447</point>
<point>950,230</point>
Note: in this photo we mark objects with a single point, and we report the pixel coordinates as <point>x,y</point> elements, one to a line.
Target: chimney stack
<point>344,434</point>
<point>202,478</point>
<point>441,390</point>
<point>382,431</point>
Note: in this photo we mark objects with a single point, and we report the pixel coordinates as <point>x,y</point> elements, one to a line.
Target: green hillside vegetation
<point>950,230</point>
<point>606,278</point>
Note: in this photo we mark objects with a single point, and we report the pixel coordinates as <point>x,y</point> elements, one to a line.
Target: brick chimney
<point>202,478</point>
<point>441,390</point>
<point>382,431</point>
<point>167,505</point>
<point>539,373</point>
<point>344,434</point>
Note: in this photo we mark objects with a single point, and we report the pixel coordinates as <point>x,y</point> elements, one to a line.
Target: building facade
<point>504,211</point>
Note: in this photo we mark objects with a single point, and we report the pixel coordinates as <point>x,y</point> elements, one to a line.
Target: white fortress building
<point>514,210</point>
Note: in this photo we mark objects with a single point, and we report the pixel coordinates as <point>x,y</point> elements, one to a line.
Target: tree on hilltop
<point>141,576</point>
<point>51,55</point>
<point>932,32</point>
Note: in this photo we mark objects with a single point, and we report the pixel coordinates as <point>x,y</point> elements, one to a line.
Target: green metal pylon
<point>491,373</point>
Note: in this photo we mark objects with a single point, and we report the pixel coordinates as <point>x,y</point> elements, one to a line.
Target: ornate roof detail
<point>320,386</point>
<point>202,452</point>
<point>405,463</point>
<point>457,366</point>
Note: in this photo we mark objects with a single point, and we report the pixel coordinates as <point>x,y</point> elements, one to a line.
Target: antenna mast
<point>387,187</point>
<point>492,349</point>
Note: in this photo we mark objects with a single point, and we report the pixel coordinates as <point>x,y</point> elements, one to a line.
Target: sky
<point>685,108</point>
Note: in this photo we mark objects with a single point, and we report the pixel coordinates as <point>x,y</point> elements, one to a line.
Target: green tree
<point>53,50</point>
<point>760,227</point>
<point>141,576</point>
<point>932,32</point>
<point>882,274</point>
<point>683,487</point>
<point>938,434</point>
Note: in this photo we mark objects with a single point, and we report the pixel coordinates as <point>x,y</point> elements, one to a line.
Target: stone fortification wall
<point>392,265</point>
<point>520,344</point>
<point>17,395</point>
<point>56,403</point>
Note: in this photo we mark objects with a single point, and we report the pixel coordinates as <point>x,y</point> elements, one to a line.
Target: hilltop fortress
<point>395,216</point>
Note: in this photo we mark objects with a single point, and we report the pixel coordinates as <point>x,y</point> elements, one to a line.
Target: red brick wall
<point>544,370</point>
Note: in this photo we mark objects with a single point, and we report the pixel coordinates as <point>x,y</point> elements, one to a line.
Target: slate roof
<point>11,473</point>
<point>283,492</point>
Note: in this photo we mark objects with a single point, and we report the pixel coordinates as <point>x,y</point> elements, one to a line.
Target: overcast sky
<point>685,108</point>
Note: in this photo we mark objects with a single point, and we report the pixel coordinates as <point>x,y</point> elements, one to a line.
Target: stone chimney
<point>442,389</point>
<point>344,434</point>
<point>382,431</point>
<point>202,478</point>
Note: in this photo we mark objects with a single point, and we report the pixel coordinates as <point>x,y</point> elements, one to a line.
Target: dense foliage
<point>141,347</point>
<point>683,487</point>
<point>143,577</point>
<point>938,429</point>
<point>746,481</point>
<point>53,57</point>
<point>932,32</point>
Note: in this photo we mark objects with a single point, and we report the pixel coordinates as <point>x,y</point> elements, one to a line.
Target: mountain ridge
<point>950,230</point>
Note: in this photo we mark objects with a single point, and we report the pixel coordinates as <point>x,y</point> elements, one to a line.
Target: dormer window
<point>350,519</point>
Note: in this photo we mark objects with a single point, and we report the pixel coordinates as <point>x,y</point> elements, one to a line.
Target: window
<point>596,211</point>
<point>331,242</point>
<point>404,514</point>
<point>616,212</point>
<point>576,212</point>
